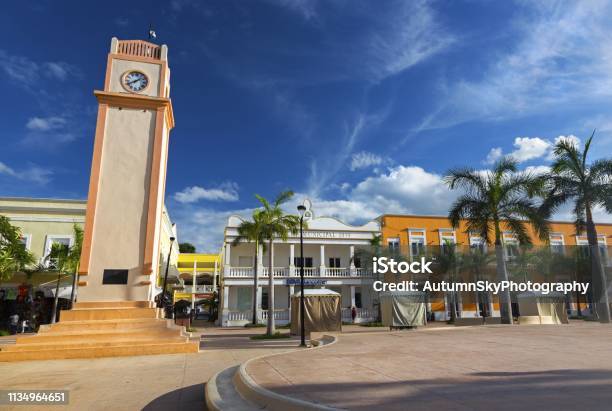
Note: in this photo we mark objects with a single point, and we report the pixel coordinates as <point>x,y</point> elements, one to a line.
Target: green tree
<point>187,248</point>
<point>275,225</point>
<point>499,196</point>
<point>14,257</point>
<point>252,231</point>
<point>573,179</point>
<point>64,260</point>
<point>450,261</point>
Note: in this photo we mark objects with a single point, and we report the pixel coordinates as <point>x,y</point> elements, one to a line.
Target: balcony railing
<point>280,315</point>
<point>284,272</point>
<point>364,314</point>
<point>199,289</point>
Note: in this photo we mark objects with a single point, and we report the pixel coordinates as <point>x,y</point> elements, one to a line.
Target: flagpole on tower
<point>152,34</point>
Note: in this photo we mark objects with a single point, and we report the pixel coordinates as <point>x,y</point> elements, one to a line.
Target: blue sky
<point>360,105</point>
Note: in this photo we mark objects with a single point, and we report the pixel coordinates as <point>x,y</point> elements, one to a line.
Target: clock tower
<point>120,256</point>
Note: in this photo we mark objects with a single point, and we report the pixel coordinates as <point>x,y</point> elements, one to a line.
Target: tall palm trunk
<point>271,323</point>
<point>55,299</point>
<point>505,304</point>
<point>255,282</point>
<point>600,283</point>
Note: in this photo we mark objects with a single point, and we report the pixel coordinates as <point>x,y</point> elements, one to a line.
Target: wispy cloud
<point>26,72</point>
<point>365,159</point>
<point>406,37</point>
<point>121,21</point>
<point>563,57</point>
<point>32,173</point>
<point>307,9</point>
<point>225,192</point>
<point>46,132</point>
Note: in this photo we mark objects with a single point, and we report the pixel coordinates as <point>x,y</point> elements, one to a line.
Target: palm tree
<point>450,262</point>
<point>499,197</point>
<point>476,261</point>
<point>253,231</point>
<point>65,260</point>
<point>587,186</point>
<point>275,224</point>
<point>14,257</point>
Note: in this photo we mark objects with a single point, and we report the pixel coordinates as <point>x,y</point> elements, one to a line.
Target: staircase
<point>102,329</point>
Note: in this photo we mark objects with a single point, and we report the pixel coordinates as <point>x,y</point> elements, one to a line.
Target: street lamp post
<point>160,304</point>
<point>301,210</point>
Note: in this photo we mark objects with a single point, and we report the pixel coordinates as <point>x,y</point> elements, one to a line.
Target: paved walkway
<point>155,382</point>
<point>464,368</point>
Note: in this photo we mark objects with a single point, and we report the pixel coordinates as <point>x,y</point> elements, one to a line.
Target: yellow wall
<point>40,218</point>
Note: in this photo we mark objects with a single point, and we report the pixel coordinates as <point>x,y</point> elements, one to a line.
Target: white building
<point>329,261</point>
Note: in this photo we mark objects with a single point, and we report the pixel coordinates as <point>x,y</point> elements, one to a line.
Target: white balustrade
<point>241,272</point>
<point>337,272</point>
<point>278,271</point>
<point>363,272</point>
<point>310,272</point>
<point>280,315</point>
<point>199,289</point>
<point>239,315</point>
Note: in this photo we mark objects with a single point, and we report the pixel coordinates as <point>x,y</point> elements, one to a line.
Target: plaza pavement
<point>152,382</point>
<point>529,367</point>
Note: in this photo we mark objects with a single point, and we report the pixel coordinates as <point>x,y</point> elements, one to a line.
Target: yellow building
<point>199,269</point>
<point>414,235</point>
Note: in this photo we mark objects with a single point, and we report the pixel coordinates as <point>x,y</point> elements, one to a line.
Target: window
<point>113,276</point>
<point>477,243</point>
<point>264,298</point>
<point>556,243</point>
<point>297,261</point>
<point>244,298</point>
<point>447,238</point>
<point>357,262</point>
<point>511,245</point>
<point>393,243</point>
<point>358,297</point>
<point>417,241</point>
<point>55,239</point>
<point>26,239</point>
<point>334,262</point>
<point>245,261</point>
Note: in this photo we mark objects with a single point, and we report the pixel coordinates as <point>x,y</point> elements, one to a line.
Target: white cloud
<point>32,173</point>
<point>45,124</point>
<point>365,159</point>
<point>570,139</point>
<point>225,192</point>
<point>529,148</point>
<point>494,155</point>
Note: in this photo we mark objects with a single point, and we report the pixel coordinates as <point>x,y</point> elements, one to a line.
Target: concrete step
<point>100,325</point>
<point>81,314</point>
<point>98,336</point>
<point>98,351</point>
<point>115,304</point>
<point>93,343</point>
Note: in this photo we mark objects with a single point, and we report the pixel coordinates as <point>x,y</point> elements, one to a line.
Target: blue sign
<point>307,281</point>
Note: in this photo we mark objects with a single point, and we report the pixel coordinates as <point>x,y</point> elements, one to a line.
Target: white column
<point>225,309</point>
<point>227,262</point>
<point>322,265</point>
<point>352,259</point>
<point>215,277</point>
<point>352,296</point>
<point>291,292</point>
<point>260,259</point>
<point>291,260</point>
<point>193,285</point>
<point>258,306</point>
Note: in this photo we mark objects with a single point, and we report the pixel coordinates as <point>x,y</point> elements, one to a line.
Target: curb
<point>252,395</point>
<point>250,390</point>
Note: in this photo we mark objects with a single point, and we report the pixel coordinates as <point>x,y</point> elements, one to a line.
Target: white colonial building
<point>329,261</point>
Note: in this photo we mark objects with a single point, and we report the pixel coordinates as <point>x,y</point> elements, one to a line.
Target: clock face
<point>135,81</point>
